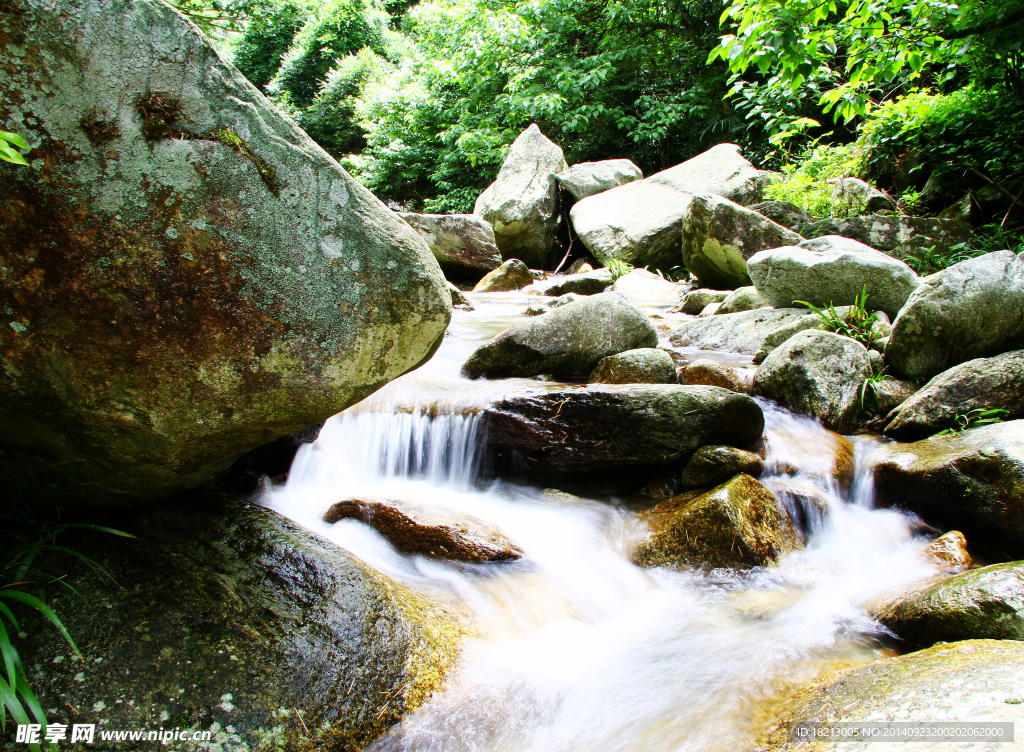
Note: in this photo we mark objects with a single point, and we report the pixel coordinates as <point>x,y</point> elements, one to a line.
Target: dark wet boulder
<point>463,244</point>
<point>587,283</point>
<point>711,465</point>
<point>646,365</point>
<point>888,394</point>
<point>510,276</point>
<point>696,301</point>
<point>589,178</point>
<point>704,372</point>
<point>187,275</point>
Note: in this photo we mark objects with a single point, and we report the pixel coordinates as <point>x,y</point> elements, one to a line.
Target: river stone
<point>972,481</point>
<point>589,178</point>
<point>949,551</point>
<point>510,276</point>
<point>882,397</point>
<point>788,215</point>
<point>719,236</point>
<point>581,265</point>
<point>712,465</point>
<point>979,680</point>
<point>567,341</point>
<point>186,274</point>
<point>816,373</point>
<point>782,334</point>
<point>899,236</point>
<point>641,222</point>
<point>737,332</point>
<point>832,270</point>
<point>980,384</point>
<point>463,244</point>
<point>742,299</point>
<point>522,203</point>
<point>738,524</point>
<point>709,310</point>
<point>615,432</point>
<point>429,532</point>
<point>985,603</point>
<point>704,372</point>
<point>859,196</point>
<point>224,614</point>
<point>696,301</point>
<point>647,287</point>
<point>459,299</point>
<point>973,309</point>
<point>646,365</point>
<point>586,283</point>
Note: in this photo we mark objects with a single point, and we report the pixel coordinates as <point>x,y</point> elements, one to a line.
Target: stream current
<point>574,648</point>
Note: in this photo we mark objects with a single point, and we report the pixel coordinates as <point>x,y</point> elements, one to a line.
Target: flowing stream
<point>574,648</point>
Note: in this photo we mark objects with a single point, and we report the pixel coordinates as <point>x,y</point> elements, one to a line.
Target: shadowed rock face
<point>463,244</point>
<point>186,274</point>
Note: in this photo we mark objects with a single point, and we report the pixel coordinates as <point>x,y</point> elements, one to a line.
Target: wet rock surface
<point>642,366</point>
<point>511,275</point>
<point>711,465</point>
<point>703,372</point>
<point>950,550</point>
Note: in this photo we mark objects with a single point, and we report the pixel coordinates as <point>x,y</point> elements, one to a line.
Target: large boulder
<point>738,524</point>
<point>510,276</point>
<point>971,481</point>
<point>567,341</point>
<point>899,236</point>
<point>817,373</point>
<point>985,603</point>
<point>589,178</point>
<point>522,203</point>
<point>647,287</point>
<point>225,615</point>
<point>641,222</point>
<point>978,385</point>
<point>615,431</point>
<point>186,274</point>
<point>719,236</point>
<point>832,270</point>
<point>973,309</point>
<point>979,680</point>
<point>647,365</point>
<point>738,332</point>
<point>463,244</point>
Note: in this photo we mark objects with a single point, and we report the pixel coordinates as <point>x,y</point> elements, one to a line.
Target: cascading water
<point>574,647</point>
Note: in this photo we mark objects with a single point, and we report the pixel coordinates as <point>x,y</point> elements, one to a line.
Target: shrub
<point>803,182</point>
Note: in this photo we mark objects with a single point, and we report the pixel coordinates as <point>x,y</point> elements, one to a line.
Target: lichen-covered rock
<point>742,299</point>
<point>704,372</point>
<point>223,614</point>
<point>971,481</point>
<point>974,679</point>
<point>973,309</point>
<point>587,283</point>
<point>832,271</point>
<point>738,524</point>
<point>719,236</point>
<point>641,222</point>
<point>589,178</point>
<point>792,326</point>
<point>784,213</point>
<point>738,332</point>
<point>646,287</point>
<point>859,196</point>
<point>949,550</point>
<point>512,275</point>
<point>463,244</point>
<point>416,530</point>
<point>522,203</point>
<point>459,299</point>
<point>816,373</point>
<point>186,274</point>
<point>696,301</point>
<point>711,465</point>
<point>899,236</point>
<point>647,365</point>
<point>980,384</point>
<point>567,341</point>
<point>615,432</point>
<point>985,603</point>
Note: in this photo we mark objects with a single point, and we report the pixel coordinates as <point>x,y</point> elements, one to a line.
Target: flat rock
<point>512,275</point>
<point>589,178</point>
<point>737,332</point>
<point>586,283</point>
<point>696,301</point>
<point>463,244</point>
<point>898,236</point>
<point>704,372</point>
<point>712,465</point>
<point>646,365</point>
<point>646,287</point>
<point>742,299</point>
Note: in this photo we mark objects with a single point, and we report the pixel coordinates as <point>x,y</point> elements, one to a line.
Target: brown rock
<point>704,372</point>
<point>711,465</point>
<point>950,550</point>
<point>512,275</point>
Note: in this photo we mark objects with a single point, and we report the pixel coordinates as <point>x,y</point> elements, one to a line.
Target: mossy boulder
<point>463,244</point>
<point>225,615</point>
<point>711,465</point>
<point>646,365</point>
<point>511,275</point>
<point>186,274</point>
<point>696,301</point>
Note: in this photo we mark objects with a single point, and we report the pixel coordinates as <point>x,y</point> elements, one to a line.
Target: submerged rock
<point>568,341</point>
<point>646,287</point>
<point>187,275</point>
<point>646,365</point>
<point>711,465</point>
<point>512,275</point>
<point>463,244</point>
<point>415,530</point>
<point>742,299</point>
<point>703,372</point>
<point>738,332</point>
<point>739,524</point>
<point>589,178</point>
<point>696,301</point>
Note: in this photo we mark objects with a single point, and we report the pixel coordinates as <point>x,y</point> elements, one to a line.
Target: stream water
<point>574,647</point>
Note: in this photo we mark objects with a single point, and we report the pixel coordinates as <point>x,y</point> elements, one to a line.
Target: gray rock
<point>587,283</point>
<point>463,244</point>
<point>589,178</point>
<point>459,299</point>
<point>696,301</point>
<point>736,332</point>
<point>522,203</point>
<point>709,310</point>
<point>973,309</point>
<point>187,275</point>
<point>784,213</point>
<point>647,365</point>
<point>582,265</point>
<point>860,196</point>
<point>711,465</point>
<point>719,236</point>
<point>647,287</point>
<point>703,372</point>
<point>977,385</point>
<point>899,236</point>
<point>832,270</point>
<point>561,300</point>
<point>568,341</point>
<point>816,373</point>
<point>742,299</point>
<point>512,275</point>
<point>882,397</point>
<point>641,222</point>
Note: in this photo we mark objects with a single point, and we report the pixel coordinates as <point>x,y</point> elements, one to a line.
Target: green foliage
<point>803,182</point>
<point>9,145</point>
<point>987,239</point>
<point>974,418</point>
<point>871,384</point>
<point>266,40</point>
<point>619,268</point>
<point>857,324</point>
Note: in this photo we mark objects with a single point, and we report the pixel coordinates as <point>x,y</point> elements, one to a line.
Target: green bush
<point>803,180</point>
<point>262,47</point>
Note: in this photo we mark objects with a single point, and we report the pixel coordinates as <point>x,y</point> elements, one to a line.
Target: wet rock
<point>615,431</point>
<point>641,222</point>
<point>832,270</point>
<point>587,283</point>
<point>949,551</point>
<point>512,275</point>
<point>860,196</point>
<point>272,460</point>
<point>971,679</point>
<point>882,397</point>
<point>738,524</point>
<point>704,372</point>
<point>977,385</point>
<point>973,309</point>
<point>898,236</point>
<point>985,603</point>
<point>712,465</point>
<point>589,178</point>
<point>459,299</point>
<point>719,236</point>
<point>429,532</point>
<point>643,366</point>
<point>522,203</point>
<point>187,275</point>
<point>463,244</point>
<point>561,300</point>
<point>225,614</point>
<point>816,373</point>
<point>972,481</point>
<point>829,462</point>
<point>568,341</point>
<point>581,266</point>
<point>646,287</point>
<point>742,299</point>
<point>788,215</point>
<point>696,301</point>
<point>737,332</point>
